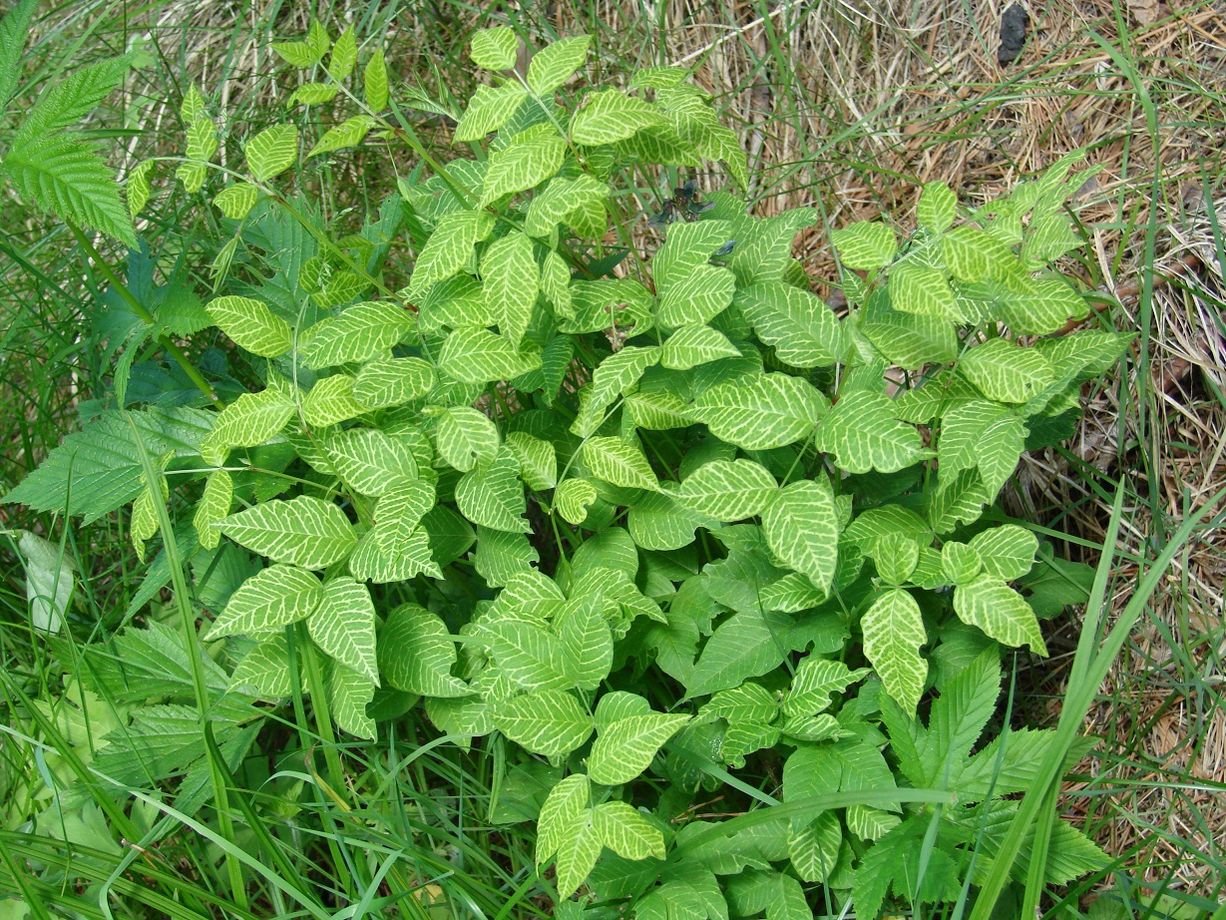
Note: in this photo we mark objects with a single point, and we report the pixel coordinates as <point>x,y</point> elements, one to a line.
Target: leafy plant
<point>652,514</point>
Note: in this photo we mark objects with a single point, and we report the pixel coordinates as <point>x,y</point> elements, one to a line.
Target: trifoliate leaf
<point>343,625</point>
<point>863,434</point>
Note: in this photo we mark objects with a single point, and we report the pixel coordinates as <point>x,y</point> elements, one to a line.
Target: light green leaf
<point>527,161</point>
<point>272,151</point>
<point>1007,552</point>
<point>587,642</point>
<point>387,553</point>
<point>960,563</point>
<point>893,631</point>
<point>252,325</point>
<point>538,462</point>
<point>802,529</point>
<point>814,847</point>
<point>548,722</point>
<point>492,495</point>
<point>249,421</point>
<point>494,49</point>
<point>489,109</point>
<point>761,412</point>
<point>480,356</point>
<point>982,435</point>
<point>618,463</point>
<point>510,281</point>
<point>815,679</point>
<point>370,461</point>
<point>727,490</point>
<point>349,133</point>
<point>529,657</point>
<point>559,201</point>
<point>554,64</point>
<point>923,291</point>
<point>213,506</point>
<point>625,831</point>
<point>566,801</point>
<point>267,601</point>
<point>49,581</point>
<point>344,56</point>
<point>303,531</point>
<point>374,82</point>
<point>865,245</point>
<point>937,207</point>
<point>416,654</point>
<point>343,625</point>
<point>896,556</point>
<point>1006,372</point>
<point>690,346</point>
<point>449,249</point>
<point>625,748</point>
<point>572,498</point>
<point>331,401</point>
<point>972,255</point>
<point>266,669</point>
<point>803,330</point>
<point>577,853</point>
<point>998,610</point>
<point>863,434</point>
<point>1045,306</point>
<point>611,116</point>
<point>312,94</point>
<point>361,331</point>
<point>349,693</point>
<point>465,437</point>
<point>138,186</point>
<point>386,382</point>
<point>235,202</point>
<point>614,376</point>
<point>306,53</point>
<point>698,297</point>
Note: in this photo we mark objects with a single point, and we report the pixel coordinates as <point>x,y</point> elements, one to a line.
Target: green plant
<point>672,519</point>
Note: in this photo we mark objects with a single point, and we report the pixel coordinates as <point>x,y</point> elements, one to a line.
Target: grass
<point>842,107</point>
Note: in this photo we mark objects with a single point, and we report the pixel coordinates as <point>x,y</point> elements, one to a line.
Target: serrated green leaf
<point>626,832</point>
<point>761,412</point>
<point>802,529</point>
<point>572,499</point>
<point>893,630</point>
<point>510,281</point>
<point>1006,552</point>
<point>624,749</point>
<point>548,722</point>
<point>802,329</point>
<point>214,505</point>
<point>374,82</point>
<point>554,64</point>
<point>609,116</point>
<point>343,625</point>
<point>272,151</point>
<point>489,109</point>
<point>1045,306</point>
<point>267,601</point>
<point>727,490</point>
<point>252,325</point>
<point>1006,372</point>
<point>618,463</point>
<point>465,437</point>
<point>302,531</point>
<point>492,495</point>
<point>998,610</point>
<point>386,382</point>
<point>416,654</point>
<point>863,434</point>
<point>865,245</point>
<point>481,356</point>
<point>494,49</point>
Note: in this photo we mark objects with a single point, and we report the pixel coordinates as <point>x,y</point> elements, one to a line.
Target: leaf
<point>893,629</point>
<point>64,177</point>
<point>330,401</point>
<point>538,462</point>
<point>386,382</point>
<point>586,641</point>
<point>234,201</point>
<point>1006,372</point>
<point>698,297</point>
<point>213,507</point>
<point>1007,552</point>
<point>625,748</point>
<point>613,377</point>
<point>494,49</point>
<point>727,490</point>
<point>922,291</point>
<point>572,498</point>
<point>138,186</point>
<point>937,207</point>
<point>371,461</point>
<point>416,654</point>
<point>465,437</point>
<point>761,412</point>
<point>815,679</point>
<point>999,611</point>
<point>271,152</point>
<point>577,853</point>
<point>560,201</point>
<point>13,29</point>
<point>802,529</point>
<point>865,245</point>
<point>510,281</point>
<point>48,574</point>
<point>361,331</point>
<point>529,656</point>
<point>374,82</point>
<point>302,531</point>
<point>71,99</point>
<point>555,63</point>
<point>690,346</point>
<point>249,421</point>
<point>610,116</point>
<point>492,495</point>
<point>252,325</point>
<point>343,625</point>
<point>344,56</point>
<point>480,356</point>
<point>313,94</point>
<point>618,463</point>
<point>527,161</point>
<point>742,646</point>
<point>960,563</point>
<point>306,53</point>
<point>489,109</point>
<point>267,601</point>
<point>349,693</point>
<point>803,330</point>
<point>349,133</point>
<point>565,802</point>
<point>548,722</point>
<point>984,436</point>
<point>814,848</point>
<point>863,435</point>
<point>625,831</point>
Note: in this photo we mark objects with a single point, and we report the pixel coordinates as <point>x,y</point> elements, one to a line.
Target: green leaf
<point>266,669</point>
<point>303,531</point>
<point>233,201</point>
<point>960,563</point>
<point>698,297</point>
<point>565,802</point>
<point>371,461</point>
<point>306,53</point>
<point>863,434</point>
<point>213,506</point>
<point>558,203</point>
<point>1007,552</point>
<point>529,657</point>
<point>465,437</point>
<point>984,436</point>
<point>727,490</point>
<point>896,556</point>
<point>614,376</point>
<point>761,412</point>
<point>1006,372</point>
<point>267,601</point>
<point>555,63</point>
<point>349,693</point>
<point>344,56</point>
<point>893,629</point>
<point>690,346</point>
<point>391,551</point>
<point>330,401</point>
<point>64,177</point>
<point>802,529</point>
<point>343,625</point>
<point>803,330</point>
<point>572,499</point>
<point>865,245</point>
<point>494,49</point>
<point>587,642</point>
<point>349,133</point>
<point>251,420</point>
<point>480,356</point>
<point>998,610</point>
<point>138,186</point>
<point>13,29</point>
<point>71,99</point>
<point>252,325</point>
<point>527,161</point>
<point>625,748</point>
<point>489,109</point>
<point>362,331</point>
<point>510,281</point>
<point>937,207</point>
<point>577,853</point>
<point>618,463</point>
<point>313,94</point>
<point>814,847</point>
<point>548,722</point>
<point>1045,306</point>
<point>610,116</point>
<point>374,82</point>
<point>416,654</point>
<point>449,249</point>
<point>972,255</point>
<point>272,151</point>
<point>923,291</point>
<point>386,382</point>
<point>492,495</point>
<point>815,679</point>
<point>538,462</point>
<point>626,832</point>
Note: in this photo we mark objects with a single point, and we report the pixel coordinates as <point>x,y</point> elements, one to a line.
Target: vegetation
<point>463,542</point>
